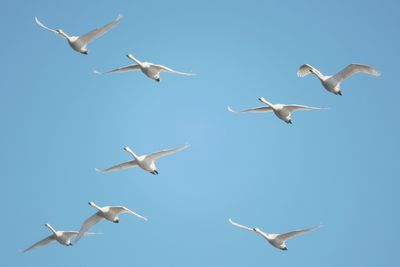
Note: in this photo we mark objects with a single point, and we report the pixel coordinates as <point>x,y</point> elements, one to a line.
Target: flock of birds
<point>148,162</point>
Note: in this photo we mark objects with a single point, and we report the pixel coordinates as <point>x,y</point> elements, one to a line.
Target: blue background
<point>336,167</point>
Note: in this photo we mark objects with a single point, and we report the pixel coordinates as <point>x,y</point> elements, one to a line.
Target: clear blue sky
<point>338,167</point>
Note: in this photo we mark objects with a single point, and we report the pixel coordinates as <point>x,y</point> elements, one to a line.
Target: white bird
<point>62,237</point>
<point>332,83</point>
<point>79,43</point>
<point>283,112</point>
<point>107,212</point>
<point>276,240</point>
<point>149,69</point>
<point>146,162</point>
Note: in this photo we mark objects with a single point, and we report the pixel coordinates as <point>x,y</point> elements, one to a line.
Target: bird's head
<point>91,203</point>
<point>116,220</point>
<point>256,229</point>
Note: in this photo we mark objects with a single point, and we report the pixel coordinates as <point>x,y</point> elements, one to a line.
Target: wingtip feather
<point>98,170</point>
<point>231,110</point>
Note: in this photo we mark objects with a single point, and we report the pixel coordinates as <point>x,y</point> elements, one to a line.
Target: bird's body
<point>332,83</point>
<point>109,213</point>
<point>145,162</point>
<point>283,112</point>
<point>62,237</point>
<point>276,240</point>
<point>149,69</point>
<point>79,43</point>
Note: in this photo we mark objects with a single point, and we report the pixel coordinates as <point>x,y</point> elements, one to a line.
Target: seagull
<point>149,69</point>
<point>79,43</point>
<point>146,162</point>
<point>283,112</point>
<point>62,237</point>
<point>332,83</point>
<point>107,212</point>
<point>276,240</point>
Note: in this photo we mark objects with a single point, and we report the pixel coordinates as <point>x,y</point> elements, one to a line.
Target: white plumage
<point>282,111</point>
<point>332,83</point>
<point>79,43</point>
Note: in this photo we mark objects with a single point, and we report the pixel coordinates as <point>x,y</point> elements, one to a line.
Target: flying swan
<point>79,43</point>
<point>107,212</point>
<point>62,237</point>
<point>146,162</point>
<point>283,112</point>
<point>276,240</point>
<point>149,69</point>
<point>332,83</point>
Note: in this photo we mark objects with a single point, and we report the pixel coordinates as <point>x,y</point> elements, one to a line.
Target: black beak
<point>285,248</point>
<point>339,93</point>
<point>85,53</point>
<point>289,121</point>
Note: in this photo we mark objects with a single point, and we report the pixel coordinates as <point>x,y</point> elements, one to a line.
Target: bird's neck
<point>136,157</point>
<point>51,229</point>
<point>96,207</point>
<point>263,234</point>
<point>63,34</point>
<point>319,75</point>
<point>135,60</point>
<point>270,104</point>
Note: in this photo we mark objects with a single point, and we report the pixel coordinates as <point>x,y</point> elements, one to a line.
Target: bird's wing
<point>260,109</point>
<point>289,235</point>
<point>353,69</point>
<point>119,167</point>
<point>306,69</point>
<point>121,209</point>
<point>162,153</point>
<point>47,28</point>
<point>42,242</point>
<point>240,226</point>
<point>166,69</point>
<point>70,234</point>
<point>90,36</point>
<point>294,107</point>
<point>122,69</point>
<point>92,220</point>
